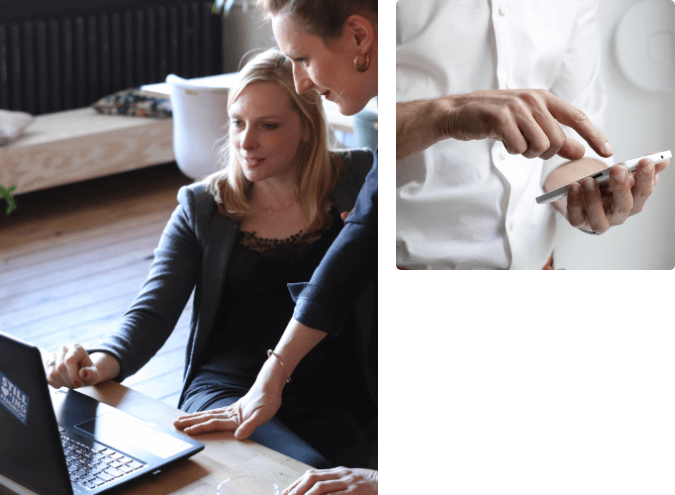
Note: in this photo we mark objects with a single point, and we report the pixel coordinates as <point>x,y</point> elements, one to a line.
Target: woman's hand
<point>336,480</point>
<point>71,366</point>
<point>254,409</point>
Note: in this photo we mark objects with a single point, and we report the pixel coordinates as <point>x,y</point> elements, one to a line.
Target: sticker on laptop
<point>162,445</point>
<point>14,400</point>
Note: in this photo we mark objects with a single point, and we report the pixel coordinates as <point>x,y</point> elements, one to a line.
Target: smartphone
<point>603,177</point>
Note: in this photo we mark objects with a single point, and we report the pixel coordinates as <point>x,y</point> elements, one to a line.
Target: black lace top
<point>289,249</point>
<point>255,308</point>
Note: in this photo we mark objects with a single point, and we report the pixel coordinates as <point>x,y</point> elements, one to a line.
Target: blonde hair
<point>316,167</point>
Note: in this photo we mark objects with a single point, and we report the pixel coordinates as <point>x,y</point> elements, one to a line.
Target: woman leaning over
<point>238,238</point>
<point>334,48</point>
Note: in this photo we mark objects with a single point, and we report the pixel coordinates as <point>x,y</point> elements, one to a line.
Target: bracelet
<point>270,352</point>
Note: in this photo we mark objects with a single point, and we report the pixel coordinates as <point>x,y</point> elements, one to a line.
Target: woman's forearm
<point>295,343</point>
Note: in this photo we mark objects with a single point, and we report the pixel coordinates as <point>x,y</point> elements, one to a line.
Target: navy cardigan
<point>345,278</point>
<point>347,268</point>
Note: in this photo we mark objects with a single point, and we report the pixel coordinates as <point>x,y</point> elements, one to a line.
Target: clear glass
<point>248,485</point>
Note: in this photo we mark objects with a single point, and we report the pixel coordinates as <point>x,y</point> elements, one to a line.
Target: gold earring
<point>364,66</point>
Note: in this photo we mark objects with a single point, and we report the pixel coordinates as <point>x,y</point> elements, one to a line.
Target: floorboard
<point>73,258</point>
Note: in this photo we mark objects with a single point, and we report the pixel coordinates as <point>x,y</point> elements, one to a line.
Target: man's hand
<point>593,208</point>
<point>526,121</point>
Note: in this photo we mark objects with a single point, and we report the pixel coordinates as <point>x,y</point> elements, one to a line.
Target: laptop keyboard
<point>94,465</point>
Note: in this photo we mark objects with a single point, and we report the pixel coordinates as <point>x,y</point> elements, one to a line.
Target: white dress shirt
<point>465,205</point>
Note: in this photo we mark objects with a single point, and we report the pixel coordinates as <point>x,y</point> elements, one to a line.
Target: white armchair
<point>199,119</point>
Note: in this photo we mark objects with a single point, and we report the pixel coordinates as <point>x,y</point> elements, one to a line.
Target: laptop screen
<point>30,447</point>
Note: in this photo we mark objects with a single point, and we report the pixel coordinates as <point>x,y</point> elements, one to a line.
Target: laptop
<point>62,442</point>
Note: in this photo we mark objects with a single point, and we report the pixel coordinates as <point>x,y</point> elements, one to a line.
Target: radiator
<point>61,63</point>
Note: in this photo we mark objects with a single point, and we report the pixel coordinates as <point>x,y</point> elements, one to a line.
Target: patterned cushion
<point>135,103</point>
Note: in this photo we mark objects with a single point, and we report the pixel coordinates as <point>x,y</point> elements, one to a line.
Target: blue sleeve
<point>347,268</point>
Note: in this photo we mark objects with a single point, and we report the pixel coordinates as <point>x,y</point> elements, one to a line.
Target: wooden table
<point>223,457</point>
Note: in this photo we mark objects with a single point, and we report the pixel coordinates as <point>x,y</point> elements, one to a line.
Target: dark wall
<point>13,10</point>
<point>58,58</point>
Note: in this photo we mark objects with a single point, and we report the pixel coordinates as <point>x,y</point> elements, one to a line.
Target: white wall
<point>637,123</point>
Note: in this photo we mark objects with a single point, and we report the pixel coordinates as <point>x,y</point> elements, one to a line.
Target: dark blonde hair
<point>316,167</point>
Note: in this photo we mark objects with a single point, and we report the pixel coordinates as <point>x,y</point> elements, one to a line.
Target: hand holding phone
<point>603,176</point>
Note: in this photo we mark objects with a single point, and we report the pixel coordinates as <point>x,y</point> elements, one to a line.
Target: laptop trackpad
<point>115,429</point>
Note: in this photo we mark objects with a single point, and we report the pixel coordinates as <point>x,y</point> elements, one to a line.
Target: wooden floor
<point>73,258</point>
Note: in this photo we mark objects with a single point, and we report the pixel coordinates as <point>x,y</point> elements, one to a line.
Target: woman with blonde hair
<point>238,238</point>
<point>333,45</point>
